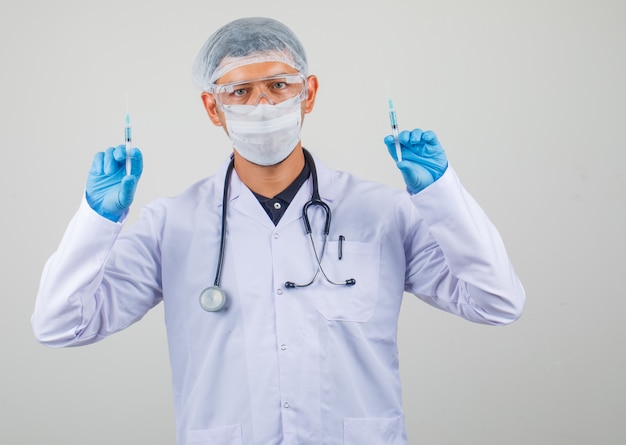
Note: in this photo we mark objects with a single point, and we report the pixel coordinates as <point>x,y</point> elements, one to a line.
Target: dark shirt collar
<point>275,207</point>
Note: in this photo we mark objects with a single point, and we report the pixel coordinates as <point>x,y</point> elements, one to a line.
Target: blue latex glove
<point>423,159</point>
<point>110,191</point>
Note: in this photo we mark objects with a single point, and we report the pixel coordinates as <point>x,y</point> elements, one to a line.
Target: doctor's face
<point>257,83</point>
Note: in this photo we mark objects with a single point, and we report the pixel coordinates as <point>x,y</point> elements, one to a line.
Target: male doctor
<point>296,342</point>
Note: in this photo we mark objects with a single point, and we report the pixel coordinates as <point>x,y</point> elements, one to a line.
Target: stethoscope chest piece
<point>212,299</point>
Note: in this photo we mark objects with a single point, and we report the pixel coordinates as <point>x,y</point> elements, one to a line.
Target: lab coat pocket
<point>226,435</point>
<point>350,260</point>
<point>386,431</point>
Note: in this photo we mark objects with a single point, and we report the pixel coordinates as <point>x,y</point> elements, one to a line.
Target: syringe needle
<point>394,129</point>
<point>127,142</point>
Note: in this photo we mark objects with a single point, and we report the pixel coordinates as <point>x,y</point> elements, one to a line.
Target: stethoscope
<point>213,298</point>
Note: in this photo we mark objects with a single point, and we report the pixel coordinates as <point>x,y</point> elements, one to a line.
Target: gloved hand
<point>110,191</point>
<point>423,159</point>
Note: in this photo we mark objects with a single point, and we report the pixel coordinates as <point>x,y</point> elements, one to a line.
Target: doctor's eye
<point>240,92</point>
<point>279,85</point>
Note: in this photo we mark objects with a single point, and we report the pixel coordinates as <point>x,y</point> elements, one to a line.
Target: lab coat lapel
<point>294,211</point>
<point>326,182</point>
<point>242,200</point>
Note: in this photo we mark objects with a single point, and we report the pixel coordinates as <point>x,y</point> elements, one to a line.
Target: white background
<point>527,98</point>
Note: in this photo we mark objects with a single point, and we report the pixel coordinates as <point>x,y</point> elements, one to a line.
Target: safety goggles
<point>274,89</point>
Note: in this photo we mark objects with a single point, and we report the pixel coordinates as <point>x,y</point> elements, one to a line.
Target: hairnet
<point>245,41</point>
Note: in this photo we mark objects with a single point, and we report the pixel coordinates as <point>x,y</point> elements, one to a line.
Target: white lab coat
<point>307,366</point>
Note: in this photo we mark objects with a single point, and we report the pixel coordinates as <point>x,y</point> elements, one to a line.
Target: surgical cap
<point>243,42</point>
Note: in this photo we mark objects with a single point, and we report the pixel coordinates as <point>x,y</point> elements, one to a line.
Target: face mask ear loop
<point>305,90</point>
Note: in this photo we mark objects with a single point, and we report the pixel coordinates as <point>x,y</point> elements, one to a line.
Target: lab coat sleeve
<point>472,275</point>
<point>85,295</point>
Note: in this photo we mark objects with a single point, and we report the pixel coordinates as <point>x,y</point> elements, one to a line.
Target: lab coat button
<point>283,347</point>
<point>286,405</point>
<point>276,235</point>
<point>279,291</point>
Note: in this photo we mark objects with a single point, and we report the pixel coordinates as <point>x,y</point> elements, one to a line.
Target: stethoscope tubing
<point>213,298</point>
<point>220,259</point>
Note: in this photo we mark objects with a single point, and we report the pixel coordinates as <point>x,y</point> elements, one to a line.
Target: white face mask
<point>264,134</point>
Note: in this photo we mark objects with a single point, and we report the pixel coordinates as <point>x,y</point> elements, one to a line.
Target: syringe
<point>394,129</point>
<point>127,142</point>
